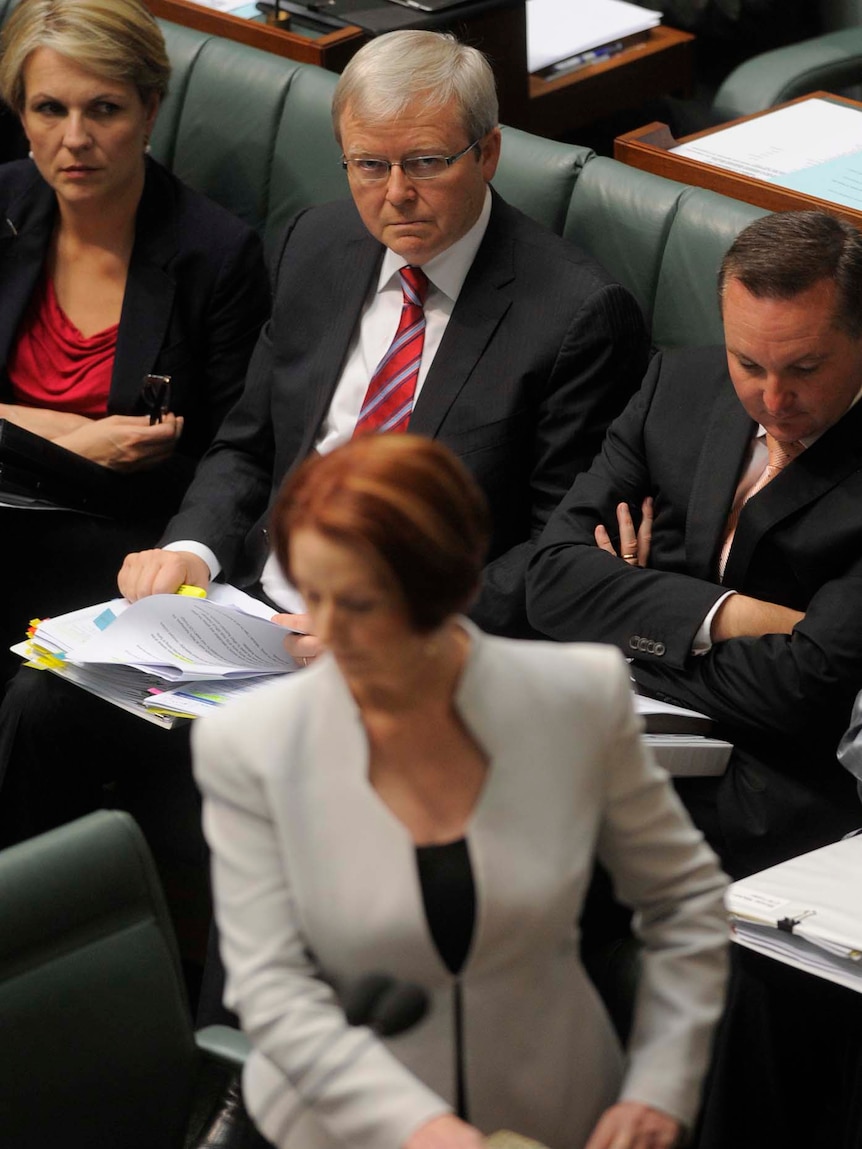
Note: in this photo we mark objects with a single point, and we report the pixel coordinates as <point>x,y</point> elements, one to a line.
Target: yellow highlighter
<point>191,591</point>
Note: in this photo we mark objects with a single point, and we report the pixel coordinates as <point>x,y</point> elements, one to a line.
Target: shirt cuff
<point>703,639</point>
<point>200,550</point>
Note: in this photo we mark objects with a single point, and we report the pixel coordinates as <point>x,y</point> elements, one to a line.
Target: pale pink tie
<point>779,455</point>
<point>388,401</point>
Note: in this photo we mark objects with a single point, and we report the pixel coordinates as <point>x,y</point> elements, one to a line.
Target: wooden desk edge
<point>659,39</point>
<point>649,149</point>
<point>332,50</point>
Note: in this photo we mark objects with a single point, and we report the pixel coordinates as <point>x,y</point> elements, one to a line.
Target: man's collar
<point>448,270</point>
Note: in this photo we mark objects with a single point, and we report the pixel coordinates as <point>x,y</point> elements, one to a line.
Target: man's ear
<point>489,153</point>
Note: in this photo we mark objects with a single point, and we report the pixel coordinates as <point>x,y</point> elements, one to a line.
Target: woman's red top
<point>53,365</point>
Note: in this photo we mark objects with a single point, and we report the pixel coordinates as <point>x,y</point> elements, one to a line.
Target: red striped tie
<point>389,399</point>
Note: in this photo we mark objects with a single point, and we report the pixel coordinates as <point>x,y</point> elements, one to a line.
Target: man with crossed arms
<point>717,539</point>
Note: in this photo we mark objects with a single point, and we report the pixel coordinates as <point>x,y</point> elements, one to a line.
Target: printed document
<point>806,912</point>
<point>814,146</point>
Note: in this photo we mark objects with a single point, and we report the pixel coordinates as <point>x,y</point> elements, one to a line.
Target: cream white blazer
<point>312,872</point>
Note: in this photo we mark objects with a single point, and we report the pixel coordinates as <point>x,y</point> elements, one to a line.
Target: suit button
<point>633,642</point>
<point>643,644</point>
<point>650,647</point>
<point>659,649</point>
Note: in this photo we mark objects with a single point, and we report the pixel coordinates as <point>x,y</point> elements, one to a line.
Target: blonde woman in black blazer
<point>110,270</point>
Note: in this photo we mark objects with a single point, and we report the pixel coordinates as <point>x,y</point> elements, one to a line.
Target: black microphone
<point>359,998</point>
<point>387,1006</point>
<point>398,1009</point>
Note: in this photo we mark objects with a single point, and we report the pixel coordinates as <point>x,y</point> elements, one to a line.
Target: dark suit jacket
<point>783,700</point>
<point>196,296</point>
<point>541,350</point>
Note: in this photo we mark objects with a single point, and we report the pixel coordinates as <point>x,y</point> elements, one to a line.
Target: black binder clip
<point>787,924</point>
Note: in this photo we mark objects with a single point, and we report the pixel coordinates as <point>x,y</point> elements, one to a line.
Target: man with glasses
<point>426,303</point>
<point>518,353</point>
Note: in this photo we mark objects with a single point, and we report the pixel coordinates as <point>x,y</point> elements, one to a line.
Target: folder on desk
<point>559,29</point>
<point>681,740</point>
<point>33,470</point>
<point>806,912</point>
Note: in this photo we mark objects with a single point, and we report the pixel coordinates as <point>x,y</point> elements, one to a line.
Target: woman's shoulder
<point>275,709</point>
<point>20,184</point>
<point>198,219</point>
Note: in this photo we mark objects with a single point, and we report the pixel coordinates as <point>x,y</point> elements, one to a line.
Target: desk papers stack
<point>170,657</point>
<point>806,912</point>
<point>559,30</point>
<point>680,739</point>
<point>165,657</point>
<point>813,146</point>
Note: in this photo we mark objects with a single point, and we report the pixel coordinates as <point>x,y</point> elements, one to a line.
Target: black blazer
<point>196,296</point>
<point>783,700</point>
<point>541,350</point>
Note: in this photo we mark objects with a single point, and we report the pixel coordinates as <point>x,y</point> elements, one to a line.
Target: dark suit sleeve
<point>781,685</point>
<point>796,686</point>
<point>599,364</point>
<point>240,305</point>
<point>237,471</point>
<point>577,592</point>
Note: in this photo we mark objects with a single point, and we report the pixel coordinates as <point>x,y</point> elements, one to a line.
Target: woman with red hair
<point>428,801</point>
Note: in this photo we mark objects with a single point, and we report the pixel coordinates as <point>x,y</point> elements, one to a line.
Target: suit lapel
<point>24,236</point>
<point>480,307</point>
<point>725,446</point>
<point>149,297</point>
<point>351,285</point>
<point>826,463</point>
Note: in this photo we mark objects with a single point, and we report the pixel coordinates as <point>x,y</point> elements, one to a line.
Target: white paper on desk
<point>66,631</point>
<point>120,685</point>
<point>821,893</point>
<point>222,5</point>
<point>196,638</point>
<point>682,720</point>
<point>689,755</point>
<point>196,700</point>
<point>788,140</point>
<point>557,29</point>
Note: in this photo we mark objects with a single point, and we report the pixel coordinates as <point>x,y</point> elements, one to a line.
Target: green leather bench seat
<point>253,131</point>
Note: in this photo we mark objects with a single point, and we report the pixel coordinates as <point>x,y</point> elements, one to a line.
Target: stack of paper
<point>680,739</point>
<point>814,146</point>
<point>560,29</point>
<point>806,912</point>
<point>167,656</point>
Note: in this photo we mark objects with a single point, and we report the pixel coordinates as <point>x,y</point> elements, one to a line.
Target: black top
<point>449,896</point>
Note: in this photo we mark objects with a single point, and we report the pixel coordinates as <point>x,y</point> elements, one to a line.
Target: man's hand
<point>632,1125</point>
<point>160,572</point>
<point>303,647</point>
<point>445,1132</point>
<point>124,442</point>
<point>741,616</point>
<point>634,545</point>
